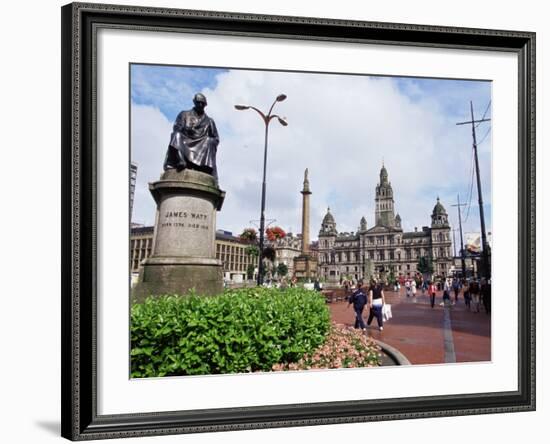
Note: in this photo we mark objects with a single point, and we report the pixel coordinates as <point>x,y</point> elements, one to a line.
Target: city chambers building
<point>384,249</point>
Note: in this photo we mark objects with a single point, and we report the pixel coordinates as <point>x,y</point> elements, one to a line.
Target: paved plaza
<point>428,335</point>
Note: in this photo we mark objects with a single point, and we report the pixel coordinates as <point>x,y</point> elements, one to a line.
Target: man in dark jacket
<point>359,300</point>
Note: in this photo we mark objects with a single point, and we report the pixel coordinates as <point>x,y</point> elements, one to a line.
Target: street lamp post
<point>266,119</point>
<point>486,269</point>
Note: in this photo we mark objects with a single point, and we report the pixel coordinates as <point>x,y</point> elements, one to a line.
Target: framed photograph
<point>275,221</point>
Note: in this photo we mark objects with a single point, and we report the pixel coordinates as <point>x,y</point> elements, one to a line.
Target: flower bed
<point>345,347</point>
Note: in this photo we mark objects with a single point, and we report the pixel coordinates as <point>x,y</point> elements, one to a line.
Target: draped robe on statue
<point>193,143</point>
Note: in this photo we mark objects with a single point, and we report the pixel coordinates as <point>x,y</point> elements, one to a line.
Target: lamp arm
<point>262,115</point>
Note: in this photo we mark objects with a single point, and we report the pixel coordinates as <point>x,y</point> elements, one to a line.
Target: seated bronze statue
<point>194,140</point>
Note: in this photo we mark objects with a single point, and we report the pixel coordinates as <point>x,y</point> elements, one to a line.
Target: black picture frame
<point>80,420</point>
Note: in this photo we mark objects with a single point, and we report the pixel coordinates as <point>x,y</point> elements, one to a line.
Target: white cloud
<point>341,128</point>
<point>150,136</point>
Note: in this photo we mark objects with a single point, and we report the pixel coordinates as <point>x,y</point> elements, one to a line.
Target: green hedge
<point>240,331</point>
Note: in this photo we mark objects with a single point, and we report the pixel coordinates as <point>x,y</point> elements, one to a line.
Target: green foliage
<point>242,330</point>
<point>282,269</point>
<point>252,250</point>
<point>250,271</point>
<point>425,265</point>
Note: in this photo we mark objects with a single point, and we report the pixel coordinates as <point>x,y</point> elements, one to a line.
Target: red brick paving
<point>416,329</point>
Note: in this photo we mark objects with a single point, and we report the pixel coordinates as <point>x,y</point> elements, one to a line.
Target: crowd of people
<point>476,293</point>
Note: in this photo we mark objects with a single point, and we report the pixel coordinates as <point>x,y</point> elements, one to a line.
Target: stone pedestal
<point>305,267</point>
<point>183,256</point>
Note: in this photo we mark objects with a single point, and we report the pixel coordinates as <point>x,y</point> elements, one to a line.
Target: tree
<point>269,253</point>
<point>252,250</point>
<point>250,272</point>
<point>425,265</point>
<point>282,269</point>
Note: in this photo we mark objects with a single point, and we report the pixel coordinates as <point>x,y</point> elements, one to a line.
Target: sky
<point>343,128</point>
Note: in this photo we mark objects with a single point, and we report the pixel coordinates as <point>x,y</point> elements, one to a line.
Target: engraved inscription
<point>185,219</point>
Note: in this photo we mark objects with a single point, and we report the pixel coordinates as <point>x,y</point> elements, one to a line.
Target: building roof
<point>142,230</point>
<point>415,234</point>
<point>384,229</point>
<point>221,235</point>
<point>343,237</point>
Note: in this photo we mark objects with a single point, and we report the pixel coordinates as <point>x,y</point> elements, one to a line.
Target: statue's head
<point>199,101</point>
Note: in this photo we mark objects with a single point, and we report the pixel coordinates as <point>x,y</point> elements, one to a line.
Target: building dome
<point>328,226</point>
<point>329,218</point>
<point>439,209</point>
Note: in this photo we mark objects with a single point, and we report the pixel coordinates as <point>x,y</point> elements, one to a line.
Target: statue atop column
<point>194,140</point>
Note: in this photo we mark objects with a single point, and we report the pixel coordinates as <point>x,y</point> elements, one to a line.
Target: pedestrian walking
<point>347,286</point>
<point>359,300</point>
<point>456,288</point>
<point>474,294</point>
<point>413,290</point>
<point>376,304</point>
<point>446,291</point>
<point>432,289</point>
<point>408,288</point>
<point>317,285</point>
<point>467,295</point>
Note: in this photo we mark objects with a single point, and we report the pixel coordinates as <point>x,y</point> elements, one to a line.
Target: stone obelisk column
<point>305,265</point>
<point>305,215</point>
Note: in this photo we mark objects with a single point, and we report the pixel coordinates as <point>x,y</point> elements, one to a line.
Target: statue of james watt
<point>194,140</point>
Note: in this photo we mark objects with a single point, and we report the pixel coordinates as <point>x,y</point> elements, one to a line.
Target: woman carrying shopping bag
<point>376,302</point>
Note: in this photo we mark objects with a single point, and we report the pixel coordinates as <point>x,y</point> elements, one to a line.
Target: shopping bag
<point>386,312</point>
